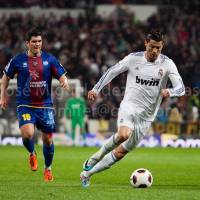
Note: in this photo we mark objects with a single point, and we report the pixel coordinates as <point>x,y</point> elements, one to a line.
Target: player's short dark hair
<point>33,33</point>
<point>156,35</point>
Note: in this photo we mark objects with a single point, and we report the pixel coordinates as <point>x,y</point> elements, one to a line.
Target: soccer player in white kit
<point>148,72</point>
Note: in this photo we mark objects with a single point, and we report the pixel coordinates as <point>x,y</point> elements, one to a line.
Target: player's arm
<point>9,72</point>
<point>64,82</point>
<point>178,88</point>
<point>107,77</point>
<point>59,73</point>
<point>4,85</point>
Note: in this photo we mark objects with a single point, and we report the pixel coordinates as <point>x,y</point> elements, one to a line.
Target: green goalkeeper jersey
<point>75,108</point>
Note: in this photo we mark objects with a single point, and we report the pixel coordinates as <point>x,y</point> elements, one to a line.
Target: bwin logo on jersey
<point>151,82</point>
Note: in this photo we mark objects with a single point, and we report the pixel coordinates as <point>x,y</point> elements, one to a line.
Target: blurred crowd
<point>86,46</point>
<point>184,5</point>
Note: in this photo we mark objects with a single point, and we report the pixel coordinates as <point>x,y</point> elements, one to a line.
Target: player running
<point>147,77</point>
<point>35,70</point>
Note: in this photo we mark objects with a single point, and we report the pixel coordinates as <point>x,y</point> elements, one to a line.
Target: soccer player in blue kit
<point>35,69</point>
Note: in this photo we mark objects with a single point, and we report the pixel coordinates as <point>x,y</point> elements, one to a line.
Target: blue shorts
<point>42,118</point>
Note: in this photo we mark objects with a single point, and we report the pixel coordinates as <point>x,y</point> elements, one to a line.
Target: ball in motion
<point>141,178</point>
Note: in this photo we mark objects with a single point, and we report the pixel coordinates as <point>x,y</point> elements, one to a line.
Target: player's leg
<point>125,127</point>
<point>48,149</point>
<point>140,128</point>
<point>116,139</point>
<point>27,132</point>
<point>83,133</point>
<point>48,152</point>
<point>82,130</point>
<point>108,158</point>
<point>45,122</point>
<point>111,158</point>
<point>26,120</point>
<point>73,126</point>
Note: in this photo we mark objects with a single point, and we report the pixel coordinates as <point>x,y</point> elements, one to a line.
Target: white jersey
<point>144,82</point>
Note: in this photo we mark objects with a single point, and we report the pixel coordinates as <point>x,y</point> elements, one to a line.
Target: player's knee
<point>121,138</point>
<point>47,142</point>
<point>47,138</point>
<point>27,131</point>
<point>120,152</point>
<point>27,134</point>
<point>123,134</point>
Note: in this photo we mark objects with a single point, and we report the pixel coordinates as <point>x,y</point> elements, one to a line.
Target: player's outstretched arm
<point>111,73</point>
<point>64,82</point>
<point>178,88</point>
<point>3,97</point>
<point>92,95</point>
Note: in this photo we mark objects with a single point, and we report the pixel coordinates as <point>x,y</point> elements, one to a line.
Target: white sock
<point>106,148</point>
<point>105,163</point>
<point>49,168</point>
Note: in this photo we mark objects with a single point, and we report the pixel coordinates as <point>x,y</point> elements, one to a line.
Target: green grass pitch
<point>176,175</point>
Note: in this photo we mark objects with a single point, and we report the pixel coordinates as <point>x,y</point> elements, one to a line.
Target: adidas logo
<point>152,82</point>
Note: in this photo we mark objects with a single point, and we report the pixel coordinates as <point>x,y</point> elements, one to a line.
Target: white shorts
<point>126,117</point>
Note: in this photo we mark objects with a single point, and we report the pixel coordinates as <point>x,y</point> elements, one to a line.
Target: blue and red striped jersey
<point>34,77</point>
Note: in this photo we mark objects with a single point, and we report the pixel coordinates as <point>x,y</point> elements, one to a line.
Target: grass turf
<point>176,175</point>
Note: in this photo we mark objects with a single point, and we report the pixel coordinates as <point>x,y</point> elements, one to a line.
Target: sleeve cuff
<point>94,90</point>
<point>6,73</point>
<point>58,76</point>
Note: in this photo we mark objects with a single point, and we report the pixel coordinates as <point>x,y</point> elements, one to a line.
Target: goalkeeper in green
<point>75,109</point>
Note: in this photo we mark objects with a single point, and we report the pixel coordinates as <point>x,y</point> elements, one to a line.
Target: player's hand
<point>165,93</point>
<point>3,103</point>
<point>65,85</point>
<point>92,95</point>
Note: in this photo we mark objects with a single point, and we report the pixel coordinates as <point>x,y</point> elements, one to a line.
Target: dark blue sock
<point>29,144</point>
<point>48,152</point>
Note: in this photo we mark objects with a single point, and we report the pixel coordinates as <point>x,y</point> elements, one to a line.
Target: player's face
<point>34,45</point>
<point>153,49</point>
